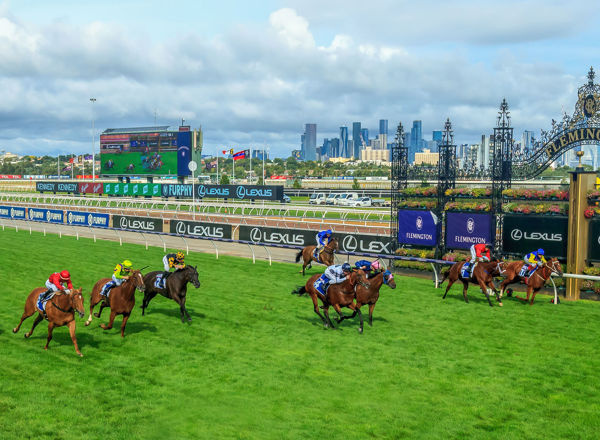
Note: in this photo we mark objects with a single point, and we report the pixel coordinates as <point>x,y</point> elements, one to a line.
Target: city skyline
<point>253,75</point>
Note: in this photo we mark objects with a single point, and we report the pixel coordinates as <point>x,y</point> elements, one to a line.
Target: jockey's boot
<point>46,294</point>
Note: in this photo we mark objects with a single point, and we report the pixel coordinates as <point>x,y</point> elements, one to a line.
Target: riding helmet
<point>179,255</point>
<point>540,251</point>
<point>65,275</point>
<point>346,267</point>
<point>127,264</point>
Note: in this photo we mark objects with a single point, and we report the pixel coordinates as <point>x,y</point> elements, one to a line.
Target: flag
<point>79,159</point>
<point>88,157</point>
<point>224,151</point>
<point>67,168</point>
<point>231,151</point>
<point>210,165</point>
<point>241,154</point>
<point>71,160</point>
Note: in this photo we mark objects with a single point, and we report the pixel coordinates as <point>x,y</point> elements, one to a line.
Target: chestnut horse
<point>176,288</point>
<point>535,282</point>
<point>371,295</point>
<point>121,299</point>
<point>483,273</point>
<point>326,256</point>
<point>60,310</point>
<point>338,295</point>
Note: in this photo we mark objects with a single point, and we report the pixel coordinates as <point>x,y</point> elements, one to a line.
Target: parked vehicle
<point>378,202</point>
<point>286,199</point>
<point>332,199</point>
<point>317,199</point>
<point>346,198</point>
<point>361,201</point>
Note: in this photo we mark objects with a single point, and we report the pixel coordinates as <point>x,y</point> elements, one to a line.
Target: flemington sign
<point>571,137</point>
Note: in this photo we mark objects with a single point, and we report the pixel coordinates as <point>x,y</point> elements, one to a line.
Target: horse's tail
<point>299,255</point>
<point>299,291</point>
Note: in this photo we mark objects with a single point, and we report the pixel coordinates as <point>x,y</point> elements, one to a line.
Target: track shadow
<point>137,327</point>
<point>173,311</point>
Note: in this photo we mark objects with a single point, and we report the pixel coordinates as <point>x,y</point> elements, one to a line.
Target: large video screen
<point>165,153</point>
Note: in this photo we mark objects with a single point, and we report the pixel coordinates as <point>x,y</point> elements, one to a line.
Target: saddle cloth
<point>41,305</point>
<point>465,271</point>
<point>316,255</point>
<point>160,281</point>
<point>321,285</point>
<point>105,292</point>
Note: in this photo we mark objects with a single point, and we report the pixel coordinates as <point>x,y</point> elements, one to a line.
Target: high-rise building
<point>364,137</point>
<point>356,134</point>
<point>302,146</point>
<point>335,148</point>
<point>416,141</point>
<point>527,140</point>
<point>344,149</point>
<point>437,135</point>
<point>383,133</point>
<point>310,142</point>
<point>325,150</point>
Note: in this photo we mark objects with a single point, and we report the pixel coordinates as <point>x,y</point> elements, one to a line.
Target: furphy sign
<point>5,211</point>
<point>45,215</point>
<point>144,224</point>
<point>291,237</point>
<point>177,190</point>
<point>92,219</point>
<point>417,227</point>
<point>466,229</point>
<point>364,243</point>
<point>200,229</point>
<point>18,213</point>
<point>522,234</point>
<point>243,192</point>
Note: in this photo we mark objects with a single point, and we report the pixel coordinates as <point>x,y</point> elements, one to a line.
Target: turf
<point>255,363</point>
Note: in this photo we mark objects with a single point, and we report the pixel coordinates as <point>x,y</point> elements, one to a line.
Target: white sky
<point>253,74</point>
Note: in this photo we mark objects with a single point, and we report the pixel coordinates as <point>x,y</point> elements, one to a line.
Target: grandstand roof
<point>158,128</point>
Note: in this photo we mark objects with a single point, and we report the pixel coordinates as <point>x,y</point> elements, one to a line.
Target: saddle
<point>161,281</point>
<point>320,285</point>
<point>465,271</point>
<point>41,305</point>
<point>105,291</point>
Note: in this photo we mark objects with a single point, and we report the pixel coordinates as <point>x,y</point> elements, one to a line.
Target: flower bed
<point>428,191</point>
<point>537,208</point>
<point>468,206</point>
<point>532,194</point>
<point>417,204</point>
<point>469,192</point>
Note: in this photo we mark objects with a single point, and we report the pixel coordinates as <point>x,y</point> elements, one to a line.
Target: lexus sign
<point>200,229</point>
<point>524,233</point>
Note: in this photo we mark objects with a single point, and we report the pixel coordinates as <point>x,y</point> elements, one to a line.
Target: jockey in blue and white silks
<point>323,238</point>
<point>334,274</point>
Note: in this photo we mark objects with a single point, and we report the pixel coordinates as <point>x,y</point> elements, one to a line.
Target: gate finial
<point>591,75</point>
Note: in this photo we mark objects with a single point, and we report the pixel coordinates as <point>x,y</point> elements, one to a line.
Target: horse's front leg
<point>326,322</point>
<point>485,289</point>
<point>357,310</point>
<point>103,305</point>
<point>371,307</point>
<point>147,298</point>
<point>50,328</point>
<point>74,337</point>
<point>110,321</point>
<point>124,323</point>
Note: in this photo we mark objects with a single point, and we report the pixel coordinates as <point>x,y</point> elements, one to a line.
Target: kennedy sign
<point>291,237</point>
<point>524,233</point>
<point>466,229</point>
<point>417,227</point>
<point>200,229</point>
<point>143,224</point>
<point>57,187</point>
<point>92,219</point>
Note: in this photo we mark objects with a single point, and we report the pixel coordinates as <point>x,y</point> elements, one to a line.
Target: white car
<point>346,198</point>
<point>361,201</point>
<point>332,199</point>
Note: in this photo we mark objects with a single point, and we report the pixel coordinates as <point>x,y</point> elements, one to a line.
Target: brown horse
<point>326,255</point>
<point>483,273</point>
<point>535,282</point>
<point>121,299</point>
<point>370,295</point>
<point>60,310</point>
<point>338,295</point>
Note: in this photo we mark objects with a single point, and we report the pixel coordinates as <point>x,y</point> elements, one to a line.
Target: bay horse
<point>535,282</point>
<point>483,273</point>
<point>326,255</point>
<point>121,299</point>
<point>370,295</point>
<point>338,295</point>
<point>176,288</point>
<point>60,310</point>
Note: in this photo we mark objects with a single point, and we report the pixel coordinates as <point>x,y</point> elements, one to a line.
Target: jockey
<point>334,274</point>
<point>368,266</point>
<point>533,260</point>
<point>121,274</point>
<point>323,238</point>
<point>479,252</point>
<point>175,260</point>
<point>55,282</point>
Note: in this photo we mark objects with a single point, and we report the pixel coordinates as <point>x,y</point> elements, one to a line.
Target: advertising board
<point>90,187</point>
<point>143,224</point>
<point>45,215</point>
<point>200,229</point>
<point>464,229</point>
<point>92,219</point>
<point>525,233</point>
<point>290,237</point>
<point>417,227</point>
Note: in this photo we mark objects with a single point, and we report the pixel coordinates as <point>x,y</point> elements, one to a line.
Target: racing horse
<point>326,255</point>
<point>176,288</point>
<point>535,282</point>
<point>338,295</point>
<point>60,310</point>
<point>370,295</point>
<point>121,299</point>
<point>483,273</point>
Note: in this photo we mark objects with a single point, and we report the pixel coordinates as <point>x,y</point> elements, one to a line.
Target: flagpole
<point>233,177</point>
<point>217,166</point>
<point>263,158</point>
<point>250,164</point>
<point>57,165</point>
<point>72,165</point>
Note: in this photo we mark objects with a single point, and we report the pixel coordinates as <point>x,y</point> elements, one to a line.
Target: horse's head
<point>500,268</point>
<point>333,244</point>
<point>192,275</point>
<point>388,279</point>
<point>554,266</point>
<point>358,276</point>
<point>137,279</point>
<point>77,301</point>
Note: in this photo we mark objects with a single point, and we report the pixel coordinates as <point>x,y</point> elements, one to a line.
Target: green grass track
<point>255,363</point>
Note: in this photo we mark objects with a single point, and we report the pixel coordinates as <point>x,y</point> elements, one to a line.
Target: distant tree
<point>355,184</point>
<point>224,179</point>
<point>297,184</point>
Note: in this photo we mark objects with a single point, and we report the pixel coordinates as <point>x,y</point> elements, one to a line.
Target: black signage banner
<point>291,237</point>
<point>524,233</point>
<point>200,229</point>
<point>594,241</point>
<point>68,187</point>
<point>364,243</point>
<point>144,224</point>
<point>243,192</point>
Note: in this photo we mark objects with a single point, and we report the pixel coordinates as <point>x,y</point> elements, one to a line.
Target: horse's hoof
<point>26,335</point>
<point>87,323</point>
<point>500,304</point>
<point>360,330</point>
<point>103,327</point>
<point>97,315</point>
<point>15,330</point>
<point>80,355</point>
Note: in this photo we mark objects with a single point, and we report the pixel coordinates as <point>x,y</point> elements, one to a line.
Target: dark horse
<point>121,299</point>
<point>370,295</point>
<point>326,256</point>
<point>483,273</point>
<point>535,282</point>
<point>176,288</point>
<point>60,310</point>
<point>338,295</point>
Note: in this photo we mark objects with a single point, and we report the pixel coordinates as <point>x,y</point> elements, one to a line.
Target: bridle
<point>72,309</point>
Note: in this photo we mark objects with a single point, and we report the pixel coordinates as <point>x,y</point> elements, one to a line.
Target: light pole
<point>93,146</point>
